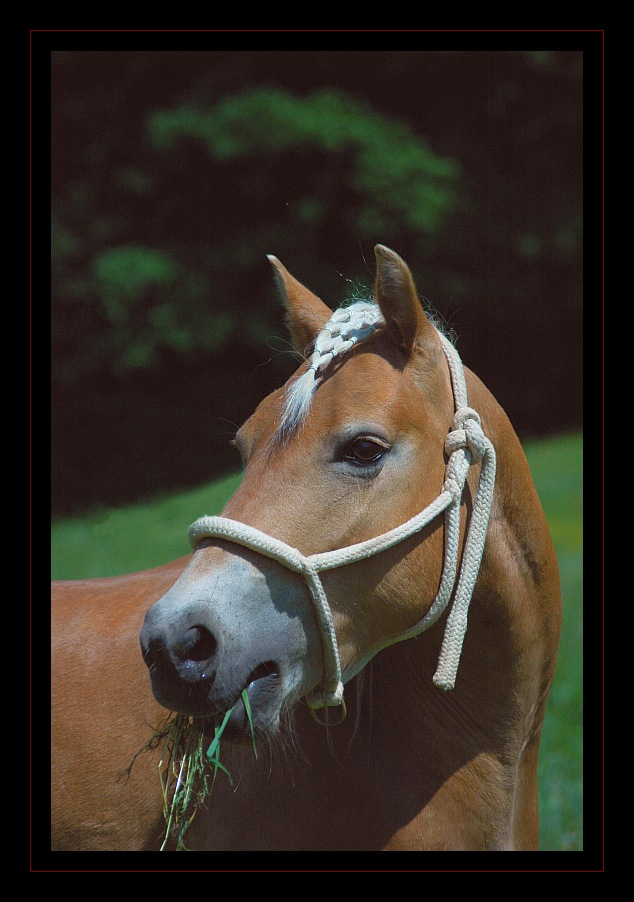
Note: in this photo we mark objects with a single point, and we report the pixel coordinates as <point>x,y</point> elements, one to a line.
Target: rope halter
<point>465,444</point>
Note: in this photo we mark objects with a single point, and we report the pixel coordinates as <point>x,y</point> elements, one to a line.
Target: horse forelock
<point>348,326</point>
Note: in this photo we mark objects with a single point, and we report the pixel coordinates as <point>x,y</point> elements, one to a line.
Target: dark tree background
<point>174,172</point>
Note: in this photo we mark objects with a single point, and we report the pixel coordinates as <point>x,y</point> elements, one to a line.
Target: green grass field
<point>557,467</point>
<point>113,542</point>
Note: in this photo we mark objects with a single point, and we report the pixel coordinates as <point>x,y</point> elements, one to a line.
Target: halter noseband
<point>465,444</point>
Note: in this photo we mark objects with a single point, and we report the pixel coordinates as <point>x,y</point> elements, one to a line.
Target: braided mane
<point>346,327</point>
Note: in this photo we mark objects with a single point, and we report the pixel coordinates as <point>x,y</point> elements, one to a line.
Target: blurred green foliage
<point>395,175</point>
<point>175,173</point>
<point>148,299</point>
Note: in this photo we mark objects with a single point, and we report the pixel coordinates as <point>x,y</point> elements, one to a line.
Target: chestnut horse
<point>385,496</point>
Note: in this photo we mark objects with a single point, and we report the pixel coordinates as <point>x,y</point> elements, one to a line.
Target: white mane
<point>346,327</point>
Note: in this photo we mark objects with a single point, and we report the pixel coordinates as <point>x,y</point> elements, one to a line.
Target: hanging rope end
<point>444,683</point>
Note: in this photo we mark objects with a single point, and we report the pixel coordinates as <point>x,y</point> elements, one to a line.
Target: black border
<point>41,42</point>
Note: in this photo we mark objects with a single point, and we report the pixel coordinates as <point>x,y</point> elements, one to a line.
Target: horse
<point>377,608</point>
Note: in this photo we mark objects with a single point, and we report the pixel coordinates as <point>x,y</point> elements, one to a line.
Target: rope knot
<point>305,568</point>
<point>466,433</point>
<point>463,414</point>
<point>454,479</point>
<point>320,697</point>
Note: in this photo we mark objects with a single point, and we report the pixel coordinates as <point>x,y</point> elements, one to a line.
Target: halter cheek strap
<point>465,444</point>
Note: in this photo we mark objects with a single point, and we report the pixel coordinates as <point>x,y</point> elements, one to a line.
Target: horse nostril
<point>193,655</point>
<point>196,644</point>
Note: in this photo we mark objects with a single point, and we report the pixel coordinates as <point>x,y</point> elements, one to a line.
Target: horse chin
<point>259,714</point>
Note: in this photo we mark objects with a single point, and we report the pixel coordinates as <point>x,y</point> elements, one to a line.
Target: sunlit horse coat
<point>412,767</point>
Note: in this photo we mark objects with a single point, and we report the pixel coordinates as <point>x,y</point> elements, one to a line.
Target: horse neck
<point>509,650</point>
<point>395,698</point>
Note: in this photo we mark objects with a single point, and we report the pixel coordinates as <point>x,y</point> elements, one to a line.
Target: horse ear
<point>398,299</point>
<point>306,314</point>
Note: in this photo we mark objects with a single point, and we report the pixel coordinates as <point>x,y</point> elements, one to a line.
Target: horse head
<point>349,449</point>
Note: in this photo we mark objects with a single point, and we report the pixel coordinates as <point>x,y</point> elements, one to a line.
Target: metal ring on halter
<point>329,723</point>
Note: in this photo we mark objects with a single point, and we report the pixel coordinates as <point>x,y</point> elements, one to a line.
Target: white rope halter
<point>465,444</point>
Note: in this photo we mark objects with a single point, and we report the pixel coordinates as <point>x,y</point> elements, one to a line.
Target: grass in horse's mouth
<point>188,767</point>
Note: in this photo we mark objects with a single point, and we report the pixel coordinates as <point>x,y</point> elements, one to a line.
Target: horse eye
<point>364,451</point>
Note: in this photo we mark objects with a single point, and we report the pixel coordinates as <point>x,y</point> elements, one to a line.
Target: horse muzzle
<point>221,631</point>
<point>187,676</point>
